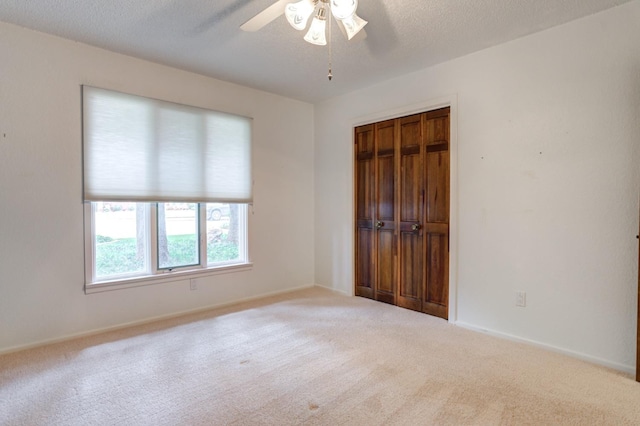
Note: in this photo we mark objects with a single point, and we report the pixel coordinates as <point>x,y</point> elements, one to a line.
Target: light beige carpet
<point>308,357</point>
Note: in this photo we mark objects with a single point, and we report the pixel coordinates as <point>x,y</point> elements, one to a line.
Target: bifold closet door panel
<point>436,234</point>
<point>364,211</point>
<point>385,216</point>
<point>411,213</point>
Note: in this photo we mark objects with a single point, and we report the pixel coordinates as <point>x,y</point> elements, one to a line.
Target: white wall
<point>548,183</point>
<point>41,212</point>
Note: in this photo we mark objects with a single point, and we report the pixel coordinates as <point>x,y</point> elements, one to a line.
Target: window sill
<point>164,278</point>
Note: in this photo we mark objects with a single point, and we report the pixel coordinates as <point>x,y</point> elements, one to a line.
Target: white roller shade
<point>140,149</point>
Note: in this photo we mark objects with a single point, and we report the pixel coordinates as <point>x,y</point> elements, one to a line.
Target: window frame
<point>153,275</point>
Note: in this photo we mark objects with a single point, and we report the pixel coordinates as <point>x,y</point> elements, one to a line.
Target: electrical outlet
<point>193,284</point>
<point>521,299</point>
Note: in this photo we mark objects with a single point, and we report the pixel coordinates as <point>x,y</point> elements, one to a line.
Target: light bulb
<point>316,34</point>
<point>298,13</point>
<point>353,25</point>
<point>342,9</point>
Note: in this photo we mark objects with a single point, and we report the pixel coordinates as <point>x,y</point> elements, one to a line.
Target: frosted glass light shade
<point>353,25</point>
<point>316,33</point>
<point>298,13</point>
<point>342,9</point>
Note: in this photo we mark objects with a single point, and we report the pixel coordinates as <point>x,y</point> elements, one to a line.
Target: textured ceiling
<point>204,36</point>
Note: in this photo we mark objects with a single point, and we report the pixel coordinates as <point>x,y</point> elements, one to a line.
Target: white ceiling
<point>203,36</point>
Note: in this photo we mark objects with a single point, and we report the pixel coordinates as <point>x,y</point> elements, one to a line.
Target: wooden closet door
<point>365,210</point>
<point>402,211</point>
<point>385,212</point>
<point>411,213</point>
<point>436,228</point>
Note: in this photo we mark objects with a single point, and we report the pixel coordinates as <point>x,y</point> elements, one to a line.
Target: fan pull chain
<point>330,53</point>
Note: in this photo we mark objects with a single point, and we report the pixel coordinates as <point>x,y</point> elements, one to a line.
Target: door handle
<point>379,224</point>
<point>416,227</point>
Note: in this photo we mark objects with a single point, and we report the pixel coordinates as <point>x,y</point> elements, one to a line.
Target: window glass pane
<point>120,236</point>
<point>225,233</point>
<point>177,235</point>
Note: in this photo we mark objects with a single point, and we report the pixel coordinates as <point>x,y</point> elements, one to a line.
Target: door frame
<point>450,101</point>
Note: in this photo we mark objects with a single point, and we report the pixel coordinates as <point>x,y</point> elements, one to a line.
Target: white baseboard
<point>346,293</point>
<point>148,320</point>
<point>629,369</point>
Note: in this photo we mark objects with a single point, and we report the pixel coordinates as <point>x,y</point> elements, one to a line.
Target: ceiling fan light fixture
<point>352,25</point>
<point>298,14</point>
<point>316,34</point>
<point>342,9</point>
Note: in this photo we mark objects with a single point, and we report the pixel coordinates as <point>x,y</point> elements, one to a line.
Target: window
<point>132,240</point>
<point>166,189</point>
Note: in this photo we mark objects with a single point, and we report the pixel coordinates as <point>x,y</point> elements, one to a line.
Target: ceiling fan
<point>298,14</point>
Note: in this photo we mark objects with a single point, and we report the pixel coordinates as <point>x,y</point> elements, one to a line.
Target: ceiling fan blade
<point>265,17</point>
